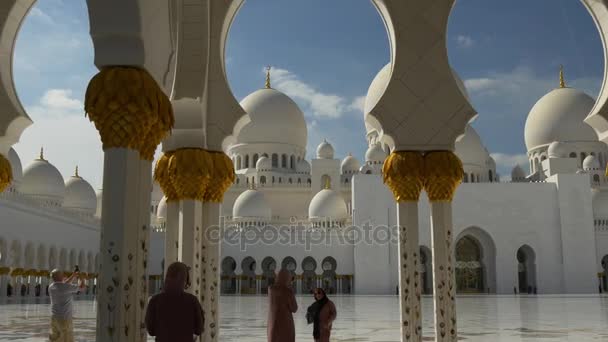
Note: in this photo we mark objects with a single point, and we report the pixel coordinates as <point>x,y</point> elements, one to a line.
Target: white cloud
<point>479,84</point>
<point>321,105</point>
<point>465,41</point>
<point>358,104</point>
<point>37,13</point>
<point>508,161</point>
<point>56,103</point>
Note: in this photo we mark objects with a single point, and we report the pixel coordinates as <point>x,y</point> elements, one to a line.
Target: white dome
<point>558,116</point>
<point>517,173</point>
<point>275,118</point>
<point>329,204</point>
<point>600,203</point>
<point>79,195</point>
<point>349,164</point>
<point>251,204</point>
<point>16,167</point>
<point>470,149</point>
<point>161,211</point>
<point>366,169</point>
<point>325,150</point>
<point>377,89</point>
<point>557,150</point>
<point>375,154</point>
<point>263,164</point>
<point>303,166</point>
<point>591,163</point>
<point>42,179</point>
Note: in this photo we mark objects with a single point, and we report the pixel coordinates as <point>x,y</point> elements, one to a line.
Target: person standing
<point>282,305</point>
<point>61,291</point>
<point>321,313</point>
<point>175,315</point>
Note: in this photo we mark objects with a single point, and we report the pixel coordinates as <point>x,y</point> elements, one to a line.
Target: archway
<point>426,270</point>
<point>329,266</point>
<point>469,267</point>
<point>248,276</point>
<point>526,269</point>
<point>309,277</point>
<point>269,266</point>
<point>605,273</point>
<point>228,276</point>
<point>289,263</point>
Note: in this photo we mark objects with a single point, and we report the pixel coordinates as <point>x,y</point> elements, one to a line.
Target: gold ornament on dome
<point>6,173</point>
<point>443,173</point>
<point>403,173</point>
<point>129,109</point>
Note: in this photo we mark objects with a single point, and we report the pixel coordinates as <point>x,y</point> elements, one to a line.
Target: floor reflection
<point>366,318</point>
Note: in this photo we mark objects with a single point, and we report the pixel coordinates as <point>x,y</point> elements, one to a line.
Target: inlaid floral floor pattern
<point>363,319</point>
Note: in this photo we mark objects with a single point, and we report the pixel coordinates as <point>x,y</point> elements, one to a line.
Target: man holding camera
<point>61,291</point>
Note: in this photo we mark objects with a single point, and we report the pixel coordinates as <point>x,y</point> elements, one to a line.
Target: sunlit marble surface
<point>366,318</point>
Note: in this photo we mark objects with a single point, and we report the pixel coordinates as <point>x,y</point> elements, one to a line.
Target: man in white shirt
<point>61,291</point>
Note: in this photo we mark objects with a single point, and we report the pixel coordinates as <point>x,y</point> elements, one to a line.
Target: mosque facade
<point>330,220</point>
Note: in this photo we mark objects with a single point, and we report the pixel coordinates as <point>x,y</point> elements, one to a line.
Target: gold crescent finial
<point>76,172</point>
<point>267,85</point>
<point>41,156</point>
<point>562,82</point>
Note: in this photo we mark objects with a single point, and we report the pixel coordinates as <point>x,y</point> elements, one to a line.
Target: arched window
<point>583,155</point>
<point>572,155</point>
<point>272,179</point>
<point>255,160</point>
<point>543,158</point>
<point>262,179</point>
<point>290,181</point>
<point>466,178</point>
<point>284,161</point>
<point>308,181</point>
<point>596,178</point>
<point>299,181</point>
<point>275,160</point>
<point>238,180</point>
<point>246,161</point>
<point>346,180</point>
<point>472,178</point>
<point>238,162</point>
<point>293,161</point>
<point>280,180</point>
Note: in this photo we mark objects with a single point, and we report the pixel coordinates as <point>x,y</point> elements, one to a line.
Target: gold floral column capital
<point>403,173</point>
<point>222,177</point>
<point>129,109</point>
<point>443,173</point>
<point>6,173</point>
<point>162,177</point>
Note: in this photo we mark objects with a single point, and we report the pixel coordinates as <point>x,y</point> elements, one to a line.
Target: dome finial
<point>562,82</point>
<point>267,85</point>
<point>327,183</point>
<point>76,172</point>
<point>41,156</point>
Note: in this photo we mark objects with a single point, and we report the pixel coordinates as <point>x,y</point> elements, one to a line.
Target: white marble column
<point>140,283</point>
<point>409,278</point>
<point>444,286</point>
<point>191,242</point>
<point>172,234</point>
<point>120,308</point>
<point>211,273</point>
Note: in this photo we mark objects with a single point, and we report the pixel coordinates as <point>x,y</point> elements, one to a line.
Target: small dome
<point>251,204</point>
<point>558,116</point>
<point>79,195</point>
<point>366,169</point>
<point>349,164</point>
<point>375,154</point>
<point>600,204</point>
<point>557,150</point>
<point>275,118</point>
<point>591,163</point>
<point>329,204</point>
<point>161,211</point>
<point>303,166</point>
<point>15,161</point>
<point>470,149</point>
<point>517,173</point>
<point>325,150</point>
<point>42,179</point>
<point>263,164</point>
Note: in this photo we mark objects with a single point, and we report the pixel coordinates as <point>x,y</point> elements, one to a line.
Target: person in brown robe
<point>175,315</point>
<point>282,304</point>
<point>321,313</point>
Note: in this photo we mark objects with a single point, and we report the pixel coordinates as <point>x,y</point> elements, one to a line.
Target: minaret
<point>267,85</point>
<point>562,82</point>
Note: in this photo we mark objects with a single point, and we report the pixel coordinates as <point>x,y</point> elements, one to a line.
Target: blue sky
<point>325,54</point>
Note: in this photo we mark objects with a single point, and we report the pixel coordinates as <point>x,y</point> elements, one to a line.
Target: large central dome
<point>275,118</point>
<point>558,116</point>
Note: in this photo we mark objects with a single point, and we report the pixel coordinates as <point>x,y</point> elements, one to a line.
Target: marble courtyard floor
<point>367,318</point>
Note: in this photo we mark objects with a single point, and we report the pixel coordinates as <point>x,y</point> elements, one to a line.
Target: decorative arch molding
<point>488,253</point>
